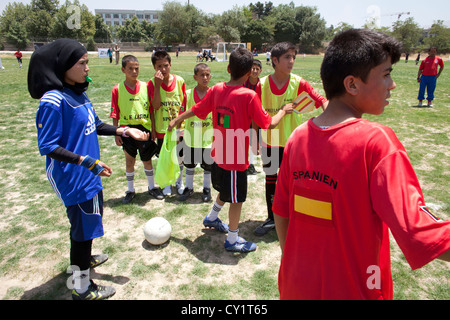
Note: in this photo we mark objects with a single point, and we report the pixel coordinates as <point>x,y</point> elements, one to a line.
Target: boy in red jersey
<point>167,94</point>
<point>345,180</point>
<point>233,107</point>
<point>428,75</point>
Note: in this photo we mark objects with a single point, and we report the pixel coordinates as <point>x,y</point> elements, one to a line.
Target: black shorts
<point>146,148</point>
<point>194,156</point>
<point>231,185</point>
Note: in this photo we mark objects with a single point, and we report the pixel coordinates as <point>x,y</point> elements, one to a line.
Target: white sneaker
<point>420,104</point>
<point>167,191</point>
<point>430,104</point>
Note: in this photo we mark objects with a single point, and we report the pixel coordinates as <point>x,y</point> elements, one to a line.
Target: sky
<point>354,12</point>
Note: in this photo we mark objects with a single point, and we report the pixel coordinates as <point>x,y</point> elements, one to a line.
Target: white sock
<point>207,179</point>
<point>130,181</point>
<point>167,191</point>
<point>81,280</point>
<point>232,236</point>
<point>180,177</point>
<point>251,156</point>
<point>214,213</point>
<point>150,178</point>
<point>190,178</point>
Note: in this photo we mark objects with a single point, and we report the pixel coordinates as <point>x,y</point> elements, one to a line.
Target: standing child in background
<point>252,83</point>
<point>345,181</point>
<point>167,93</point>
<point>428,75</point>
<point>276,90</point>
<point>130,108</point>
<point>233,108</point>
<point>19,55</point>
<point>198,136</point>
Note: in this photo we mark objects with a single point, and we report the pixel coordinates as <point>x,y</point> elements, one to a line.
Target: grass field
<point>34,230</point>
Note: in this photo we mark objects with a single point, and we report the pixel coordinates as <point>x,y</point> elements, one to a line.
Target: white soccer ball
<point>157,230</point>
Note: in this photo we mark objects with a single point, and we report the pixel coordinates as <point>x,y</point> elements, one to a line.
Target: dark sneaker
<point>206,196</point>
<point>128,197</point>
<point>94,292</point>
<point>186,194</point>
<point>267,226</point>
<point>251,170</point>
<point>98,259</point>
<point>156,193</point>
<point>241,245</point>
<point>216,224</point>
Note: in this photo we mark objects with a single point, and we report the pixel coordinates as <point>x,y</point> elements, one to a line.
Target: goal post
<point>225,48</point>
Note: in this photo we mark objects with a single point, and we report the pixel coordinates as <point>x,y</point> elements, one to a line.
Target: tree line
<point>261,24</point>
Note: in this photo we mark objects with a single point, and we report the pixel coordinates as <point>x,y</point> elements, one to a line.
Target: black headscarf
<point>48,65</point>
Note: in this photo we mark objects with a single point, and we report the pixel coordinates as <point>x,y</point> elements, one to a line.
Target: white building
<point>117,17</point>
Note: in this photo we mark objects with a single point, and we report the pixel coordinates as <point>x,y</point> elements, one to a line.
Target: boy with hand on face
<point>167,93</point>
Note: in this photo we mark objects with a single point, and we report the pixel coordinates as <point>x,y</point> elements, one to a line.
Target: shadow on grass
<point>209,247</point>
<point>57,287</point>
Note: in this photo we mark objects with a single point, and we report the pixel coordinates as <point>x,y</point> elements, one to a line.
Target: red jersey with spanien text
<point>343,189</point>
<point>233,108</point>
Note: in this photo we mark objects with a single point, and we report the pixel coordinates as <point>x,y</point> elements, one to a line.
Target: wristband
<point>92,164</point>
<point>124,132</point>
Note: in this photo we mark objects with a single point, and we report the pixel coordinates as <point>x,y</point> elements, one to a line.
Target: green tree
<point>257,33</point>
<point>285,24</point>
<point>12,24</point>
<point>131,31</point>
<point>39,25</point>
<point>74,21</point>
<point>311,27</point>
<point>17,35</point>
<point>232,24</point>
<point>49,6</point>
<point>408,32</point>
<point>173,23</point>
<point>102,31</point>
<point>439,37</point>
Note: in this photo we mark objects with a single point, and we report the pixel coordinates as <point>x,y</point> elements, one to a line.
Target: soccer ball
<point>157,230</point>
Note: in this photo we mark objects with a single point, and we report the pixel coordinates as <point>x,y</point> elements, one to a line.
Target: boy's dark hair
<point>257,63</point>
<point>200,66</point>
<point>240,63</point>
<point>355,52</point>
<point>128,58</point>
<point>160,55</point>
<point>281,48</point>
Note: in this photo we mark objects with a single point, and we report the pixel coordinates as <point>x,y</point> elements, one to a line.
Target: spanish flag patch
<point>313,205</point>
